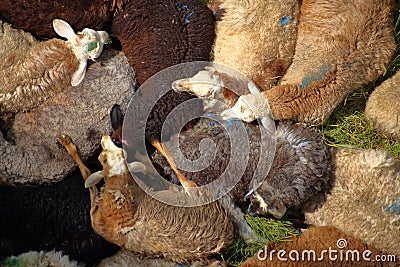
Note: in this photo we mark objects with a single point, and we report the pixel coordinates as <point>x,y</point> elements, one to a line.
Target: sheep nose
<point>177,86</point>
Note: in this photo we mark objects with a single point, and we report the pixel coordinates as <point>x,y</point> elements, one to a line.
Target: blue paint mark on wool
<point>187,19</point>
<point>394,207</point>
<point>285,20</point>
<point>316,76</point>
<point>232,122</point>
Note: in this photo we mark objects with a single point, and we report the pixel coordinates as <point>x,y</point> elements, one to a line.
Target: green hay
<point>266,229</point>
<point>348,126</point>
<point>12,262</point>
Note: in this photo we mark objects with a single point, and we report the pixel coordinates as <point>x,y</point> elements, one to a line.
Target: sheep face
<point>112,158</point>
<point>205,84</point>
<point>87,44</point>
<point>241,110</point>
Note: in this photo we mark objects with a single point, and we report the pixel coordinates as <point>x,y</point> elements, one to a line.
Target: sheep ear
<point>103,36</point>
<point>229,114</point>
<point>93,179</point>
<point>268,123</point>
<point>210,69</point>
<point>63,29</point>
<point>253,88</point>
<point>136,166</point>
<point>79,74</point>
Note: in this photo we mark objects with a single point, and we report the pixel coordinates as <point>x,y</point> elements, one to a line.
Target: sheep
<point>159,34</point>
<point>382,108</point>
<point>48,217</point>
<point>299,173</point>
<point>354,192</point>
<point>327,67</point>
<point>128,258</point>
<point>155,35</point>
<point>256,37</point>
<point>33,71</point>
<point>40,259</point>
<point>125,215</point>
<point>364,201</point>
<point>94,14</point>
<point>29,153</point>
<point>345,251</point>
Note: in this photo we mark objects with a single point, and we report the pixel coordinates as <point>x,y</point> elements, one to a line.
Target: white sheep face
<point>87,44</point>
<point>205,84</point>
<point>244,109</point>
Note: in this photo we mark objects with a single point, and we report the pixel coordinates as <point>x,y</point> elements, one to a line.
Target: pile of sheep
<point>304,56</point>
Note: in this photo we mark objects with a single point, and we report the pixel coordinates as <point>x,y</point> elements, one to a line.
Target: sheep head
<point>112,158</point>
<point>87,44</point>
<point>205,84</point>
<point>249,108</point>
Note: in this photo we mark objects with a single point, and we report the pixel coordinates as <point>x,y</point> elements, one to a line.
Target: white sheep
<point>32,71</point>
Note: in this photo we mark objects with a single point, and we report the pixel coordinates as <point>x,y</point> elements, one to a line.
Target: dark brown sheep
<point>300,170</point>
<point>36,16</point>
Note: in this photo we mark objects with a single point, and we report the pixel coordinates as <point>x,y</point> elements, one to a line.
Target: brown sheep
<point>319,239</point>
<point>124,214</point>
<point>256,37</point>
<point>341,45</point>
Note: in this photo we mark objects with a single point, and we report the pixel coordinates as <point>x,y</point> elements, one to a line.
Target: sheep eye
<point>91,46</point>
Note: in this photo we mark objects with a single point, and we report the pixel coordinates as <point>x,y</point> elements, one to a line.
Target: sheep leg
<point>186,183</point>
<point>66,141</point>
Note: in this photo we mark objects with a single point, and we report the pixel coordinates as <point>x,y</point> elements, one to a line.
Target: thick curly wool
<point>128,258</point>
<point>94,14</point>
<point>40,259</point>
<point>125,215</point>
<point>341,45</point>
<point>32,71</point>
<point>50,217</point>
<point>383,109</point>
<point>364,201</point>
<point>256,37</point>
<point>317,239</point>
<point>28,146</point>
<point>158,34</point>
<point>300,170</point>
